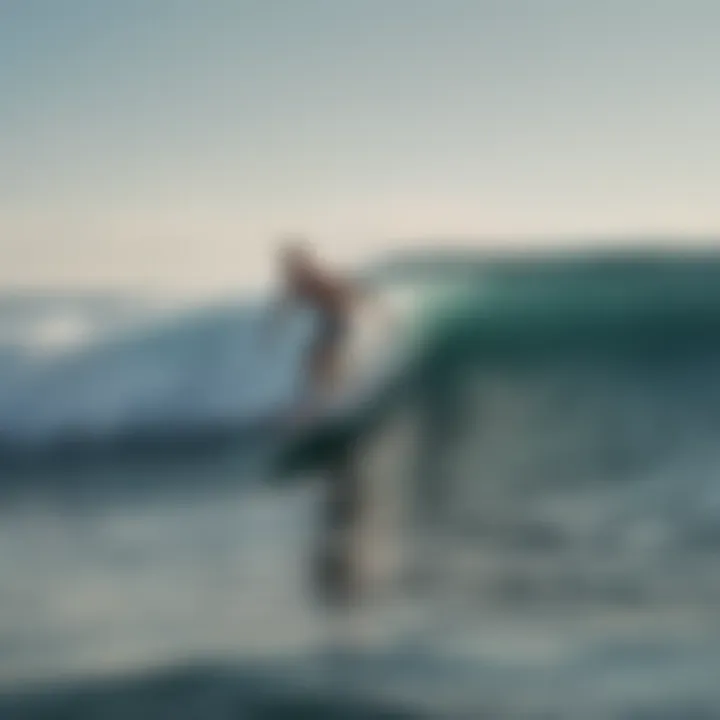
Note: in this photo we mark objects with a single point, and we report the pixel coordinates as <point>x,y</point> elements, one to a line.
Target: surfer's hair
<point>294,247</point>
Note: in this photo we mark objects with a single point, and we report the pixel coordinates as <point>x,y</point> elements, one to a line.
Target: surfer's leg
<point>324,363</point>
<point>318,382</point>
<point>338,576</point>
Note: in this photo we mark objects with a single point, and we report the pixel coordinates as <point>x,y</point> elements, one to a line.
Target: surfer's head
<point>295,255</point>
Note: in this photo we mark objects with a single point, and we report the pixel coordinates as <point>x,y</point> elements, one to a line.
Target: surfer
<point>332,298</point>
<point>337,575</point>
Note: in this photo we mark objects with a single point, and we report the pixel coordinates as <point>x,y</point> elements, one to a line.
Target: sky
<point>167,143</point>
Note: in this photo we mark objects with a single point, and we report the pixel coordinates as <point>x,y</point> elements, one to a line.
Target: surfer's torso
<point>326,295</point>
<point>329,298</point>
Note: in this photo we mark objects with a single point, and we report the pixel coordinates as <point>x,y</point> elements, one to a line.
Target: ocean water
<point>552,443</point>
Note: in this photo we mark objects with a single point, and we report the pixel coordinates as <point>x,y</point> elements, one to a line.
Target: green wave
<point>482,313</point>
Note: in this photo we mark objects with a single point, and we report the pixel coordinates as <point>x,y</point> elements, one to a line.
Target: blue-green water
<point>555,435</point>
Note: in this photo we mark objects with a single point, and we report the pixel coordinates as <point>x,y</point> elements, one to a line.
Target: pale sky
<point>164,143</point>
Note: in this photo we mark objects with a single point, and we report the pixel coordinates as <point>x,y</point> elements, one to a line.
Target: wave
<point>650,314</point>
<point>210,690</point>
<point>208,372</point>
<point>197,369</point>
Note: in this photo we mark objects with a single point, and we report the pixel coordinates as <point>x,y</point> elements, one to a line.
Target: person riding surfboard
<point>337,575</point>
